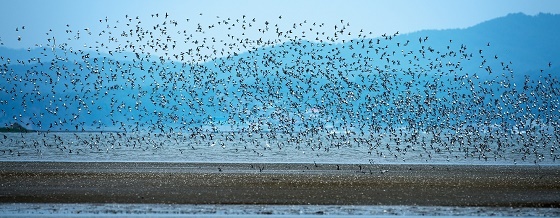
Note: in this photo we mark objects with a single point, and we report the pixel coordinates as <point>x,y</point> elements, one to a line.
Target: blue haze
<point>525,44</point>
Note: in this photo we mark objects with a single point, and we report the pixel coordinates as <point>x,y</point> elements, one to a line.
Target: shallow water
<point>231,147</point>
<point>166,210</point>
<point>237,147</point>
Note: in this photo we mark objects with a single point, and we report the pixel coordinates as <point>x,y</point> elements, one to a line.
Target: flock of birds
<point>304,83</point>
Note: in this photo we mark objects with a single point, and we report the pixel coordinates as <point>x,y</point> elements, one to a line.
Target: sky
<point>378,17</point>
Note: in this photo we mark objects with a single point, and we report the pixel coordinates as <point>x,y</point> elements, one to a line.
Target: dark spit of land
<point>15,127</point>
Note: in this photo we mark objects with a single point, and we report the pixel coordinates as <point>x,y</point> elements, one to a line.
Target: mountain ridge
<point>511,24</point>
<point>180,92</point>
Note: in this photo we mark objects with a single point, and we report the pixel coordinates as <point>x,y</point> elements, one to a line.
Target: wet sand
<point>245,183</point>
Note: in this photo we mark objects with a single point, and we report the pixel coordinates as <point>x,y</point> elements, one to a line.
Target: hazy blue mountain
<point>425,79</point>
<point>529,42</point>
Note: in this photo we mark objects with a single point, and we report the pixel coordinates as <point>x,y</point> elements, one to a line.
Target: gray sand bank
<point>290,183</point>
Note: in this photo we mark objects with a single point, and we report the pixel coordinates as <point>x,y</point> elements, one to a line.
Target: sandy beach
<point>290,183</point>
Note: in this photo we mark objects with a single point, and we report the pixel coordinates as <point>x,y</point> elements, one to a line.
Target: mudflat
<point>280,183</point>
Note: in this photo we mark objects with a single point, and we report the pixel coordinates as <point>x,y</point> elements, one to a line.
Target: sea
<point>247,147</point>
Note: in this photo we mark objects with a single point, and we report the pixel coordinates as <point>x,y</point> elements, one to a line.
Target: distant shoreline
<point>287,184</point>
